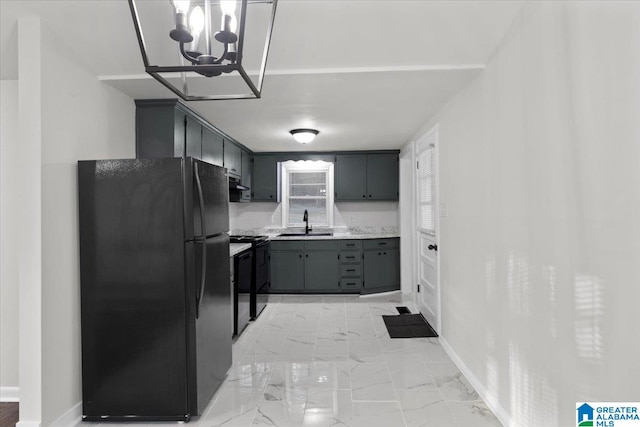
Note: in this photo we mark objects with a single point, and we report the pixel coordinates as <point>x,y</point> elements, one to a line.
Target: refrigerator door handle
<point>201,239</point>
<point>203,275</point>
<point>203,228</point>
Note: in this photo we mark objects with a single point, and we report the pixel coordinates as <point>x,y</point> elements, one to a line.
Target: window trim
<point>307,166</point>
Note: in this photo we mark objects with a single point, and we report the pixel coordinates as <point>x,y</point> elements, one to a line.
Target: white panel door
<point>427,228</point>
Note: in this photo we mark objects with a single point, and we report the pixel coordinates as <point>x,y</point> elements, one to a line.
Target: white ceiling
<point>366,73</point>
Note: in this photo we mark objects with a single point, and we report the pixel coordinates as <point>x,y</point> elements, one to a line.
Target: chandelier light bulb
<point>196,21</point>
<point>181,6</point>
<point>228,7</point>
<point>304,136</point>
<point>233,24</point>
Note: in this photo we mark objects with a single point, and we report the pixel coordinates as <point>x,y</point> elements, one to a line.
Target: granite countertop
<point>336,236</point>
<point>236,248</point>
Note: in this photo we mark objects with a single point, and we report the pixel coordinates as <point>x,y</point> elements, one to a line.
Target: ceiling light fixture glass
<point>179,34</point>
<point>304,136</point>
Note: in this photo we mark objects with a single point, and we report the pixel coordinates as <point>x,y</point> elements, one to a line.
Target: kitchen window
<point>307,185</point>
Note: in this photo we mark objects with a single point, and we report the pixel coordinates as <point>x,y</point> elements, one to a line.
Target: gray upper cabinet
<point>193,142</point>
<point>366,177</point>
<point>351,177</point>
<point>232,158</point>
<point>159,132</point>
<point>382,177</point>
<point>212,147</point>
<point>264,186</point>
<point>246,175</point>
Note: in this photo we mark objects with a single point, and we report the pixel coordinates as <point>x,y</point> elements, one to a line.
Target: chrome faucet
<point>305,218</point>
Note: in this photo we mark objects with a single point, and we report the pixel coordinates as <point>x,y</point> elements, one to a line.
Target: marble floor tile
<point>365,350</point>
<point>330,347</point>
<point>409,372</point>
<point>451,383</point>
<point>376,414</point>
<point>332,375</point>
<point>431,350</point>
<point>280,413</point>
<point>473,413</point>
<point>371,382</point>
<point>249,375</point>
<point>328,408</point>
<point>425,408</point>
<point>290,374</point>
<point>233,407</point>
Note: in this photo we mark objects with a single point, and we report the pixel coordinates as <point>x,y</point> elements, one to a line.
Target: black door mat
<point>408,326</point>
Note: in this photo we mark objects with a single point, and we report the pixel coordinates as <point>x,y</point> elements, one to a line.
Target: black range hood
<point>235,185</point>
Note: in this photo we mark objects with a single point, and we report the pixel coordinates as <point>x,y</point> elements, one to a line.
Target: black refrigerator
<point>155,288</point>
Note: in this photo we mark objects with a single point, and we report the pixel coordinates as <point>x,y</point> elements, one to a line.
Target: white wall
<point>81,119</point>
<point>269,215</point>
<point>10,233</point>
<point>540,252</point>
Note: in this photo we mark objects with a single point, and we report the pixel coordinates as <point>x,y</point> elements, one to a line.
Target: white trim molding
<point>491,400</point>
<point>9,394</point>
<point>73,417</point>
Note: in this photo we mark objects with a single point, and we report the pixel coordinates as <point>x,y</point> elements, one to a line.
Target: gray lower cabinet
<point>264,185</point>
<point>321,271</point>
<point>381,269</point>
<point>287,271</point>
<point>335,266</point>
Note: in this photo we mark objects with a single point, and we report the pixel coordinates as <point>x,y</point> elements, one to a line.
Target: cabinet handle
<point>369,195</point>
<point>306,255</point>
<point>271,197</point>
<point>300,255</point>
<point>382,243</point>
<point>379,253</point>
<point>384,253</point>
<point>350,257</point>
<point>351,244</point>
<point>351,269</point>
<point>365,196</point>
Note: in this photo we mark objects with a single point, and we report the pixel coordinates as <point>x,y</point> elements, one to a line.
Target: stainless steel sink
<point>304,235</point>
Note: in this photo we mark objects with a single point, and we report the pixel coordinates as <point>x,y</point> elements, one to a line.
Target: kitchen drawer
<point>350,257</point>
<point>350,244</point>
<point>381,243</point>
<point>314,245</point>
<point>287,245</point>
<point>347,270</point>
<point>349,284</point>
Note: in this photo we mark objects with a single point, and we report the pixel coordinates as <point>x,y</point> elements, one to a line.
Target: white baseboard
<point>71,418</point>
<point>9,394</point>
<point>491,400</point>
<point>28,424</point>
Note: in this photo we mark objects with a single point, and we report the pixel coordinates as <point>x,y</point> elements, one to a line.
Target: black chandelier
<point>180,34</point>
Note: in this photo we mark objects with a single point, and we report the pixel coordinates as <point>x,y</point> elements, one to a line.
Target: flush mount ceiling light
<point>304,136</point>
<point>181,35</point>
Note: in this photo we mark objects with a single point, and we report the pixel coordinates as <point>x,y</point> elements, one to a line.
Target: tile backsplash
<point>346,215</point>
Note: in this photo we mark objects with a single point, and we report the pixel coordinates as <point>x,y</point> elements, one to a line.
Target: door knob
<point>433,247</point>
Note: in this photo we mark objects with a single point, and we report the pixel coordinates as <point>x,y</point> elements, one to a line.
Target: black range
<point>260,277</point>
